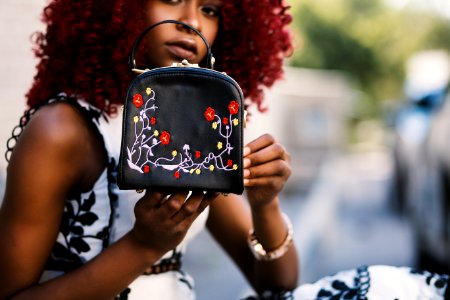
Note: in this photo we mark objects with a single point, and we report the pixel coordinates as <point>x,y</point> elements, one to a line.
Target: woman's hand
<point>266,170</point>
<point>162,219</point>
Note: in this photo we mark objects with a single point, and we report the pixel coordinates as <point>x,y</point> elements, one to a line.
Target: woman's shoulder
<point>61,136</point>
<point>59,124</point>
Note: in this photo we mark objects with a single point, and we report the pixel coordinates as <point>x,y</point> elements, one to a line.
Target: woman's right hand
<point>162,219</point>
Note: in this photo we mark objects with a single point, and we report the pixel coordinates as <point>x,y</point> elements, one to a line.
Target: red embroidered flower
<point>197,154</point>
<point>164,138</point>
<point>225,121</point>
<point>177,174</point>
<point>137,100</point>
<point>146,169</point>
<point>229,163</point>
<point>209,114</point>
<point>233,107</point>
<point>153,120</point>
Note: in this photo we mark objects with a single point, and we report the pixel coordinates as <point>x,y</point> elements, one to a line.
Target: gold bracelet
<point>261,254</point>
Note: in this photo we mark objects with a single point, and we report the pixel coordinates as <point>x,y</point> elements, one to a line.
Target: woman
<point>65,228</point>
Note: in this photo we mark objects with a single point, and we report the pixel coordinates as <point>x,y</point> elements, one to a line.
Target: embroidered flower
<point>229,163</point>
<point>136,119</point>
<point>235,167</point>
<point>198,171</point>
<point>225,121</point>
<point>165,138</point>
<point>198,154</point>
<point>146,169</point>
<point>137,100</point>
<point>174,153</point>
<point>235,122</point>
<point>153,120</point>
<point>233,107</point>
<point>209,114</point>
<point>219,145</point>
<point>156,133</point>
<point>177,174</point>
<point>148,91</point>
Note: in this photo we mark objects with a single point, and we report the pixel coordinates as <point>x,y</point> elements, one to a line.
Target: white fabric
<point>384,282</point>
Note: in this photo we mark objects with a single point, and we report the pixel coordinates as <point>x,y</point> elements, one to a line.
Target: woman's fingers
<point>154,199</point>
<point>266,163</point>
<point>269,153</point>
<point>258,144</point>
<point>163,218</point>
<point>272,182</point>
<point>179,206</point>
<point>173,203</point>
<point>193,206</point>
<point>273,168</point>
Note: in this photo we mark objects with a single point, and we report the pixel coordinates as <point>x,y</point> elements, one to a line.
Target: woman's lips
<point>182,51</point>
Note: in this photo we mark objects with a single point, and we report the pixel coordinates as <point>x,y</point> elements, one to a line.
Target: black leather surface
<point>197,156</point>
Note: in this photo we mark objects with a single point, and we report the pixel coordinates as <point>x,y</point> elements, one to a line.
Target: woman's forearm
<point>103,277</point>
<point>271,230</point>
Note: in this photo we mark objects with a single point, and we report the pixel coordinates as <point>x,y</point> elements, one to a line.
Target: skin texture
<point>59,153</point>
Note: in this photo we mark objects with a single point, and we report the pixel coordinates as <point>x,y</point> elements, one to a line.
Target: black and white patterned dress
<point>95,219</point>
<point>377,283</point>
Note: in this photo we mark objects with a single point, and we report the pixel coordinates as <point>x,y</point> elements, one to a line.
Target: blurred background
<point>363,109</point>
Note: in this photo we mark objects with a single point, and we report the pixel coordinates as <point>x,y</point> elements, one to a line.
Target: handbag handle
<point>209,56</point>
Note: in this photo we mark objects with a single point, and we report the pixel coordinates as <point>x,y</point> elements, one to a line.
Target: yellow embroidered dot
<point>156,132</point>
<point>197,171</point>
<point>214,125</point>
<point>235,122</point>
<point>148,91</point>
<point>235,167</point>
<point>211,168</point>
<point>192,171</point>
<point>174,153</point>
<point>136,119</point>
<point>219,145</point>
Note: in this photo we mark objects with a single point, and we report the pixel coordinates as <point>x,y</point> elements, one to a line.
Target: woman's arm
<point>58,154</point>
<point>266,171</point>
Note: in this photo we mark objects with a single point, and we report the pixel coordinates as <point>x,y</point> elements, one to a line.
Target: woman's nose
<point>190,17</point>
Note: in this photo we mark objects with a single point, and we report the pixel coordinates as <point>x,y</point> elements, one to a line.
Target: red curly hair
<point>86,46</point>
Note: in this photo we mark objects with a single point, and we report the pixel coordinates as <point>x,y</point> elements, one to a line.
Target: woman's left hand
<point>266,170</point>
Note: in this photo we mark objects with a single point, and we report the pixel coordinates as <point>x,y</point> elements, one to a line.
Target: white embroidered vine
<point>141,155</point>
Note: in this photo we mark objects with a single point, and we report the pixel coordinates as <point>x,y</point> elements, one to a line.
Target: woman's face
<point>169,43</point>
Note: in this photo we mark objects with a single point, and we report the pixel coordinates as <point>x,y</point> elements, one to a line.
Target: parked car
<point>432,211</point>
<point>421,152</point>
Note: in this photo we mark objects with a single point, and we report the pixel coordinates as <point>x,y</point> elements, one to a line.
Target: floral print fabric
<point>377,282</point>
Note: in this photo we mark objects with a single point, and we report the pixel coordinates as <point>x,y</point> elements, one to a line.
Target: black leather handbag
<point>182,128</point>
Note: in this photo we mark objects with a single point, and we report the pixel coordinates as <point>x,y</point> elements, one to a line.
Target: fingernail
<point>246,181</point>
<point>246,151</point>
<point>246,173</point>
<point>247,162</point>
